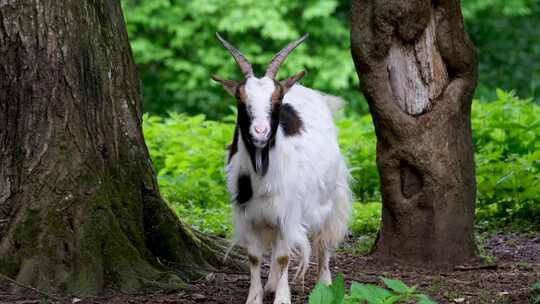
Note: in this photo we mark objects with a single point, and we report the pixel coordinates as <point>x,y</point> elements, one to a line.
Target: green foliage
<point>507,141</point>
<point>356,138</point>
<point>396,292</point>
<point>188,153</point>
<point>366,218</point>
<point>508,42</point>
<point>472,9</point>
<point>175,47</point>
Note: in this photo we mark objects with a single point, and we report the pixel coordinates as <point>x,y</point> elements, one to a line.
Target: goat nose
<point>261,130</point>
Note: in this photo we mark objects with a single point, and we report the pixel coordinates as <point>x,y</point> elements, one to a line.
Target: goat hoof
<point>282,301</point>
<point>255,299</point>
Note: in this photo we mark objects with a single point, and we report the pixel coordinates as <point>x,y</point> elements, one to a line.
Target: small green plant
<point>395,292</point>
<point>452,295</point>
<point>481,238</point>
<point>535,293</point>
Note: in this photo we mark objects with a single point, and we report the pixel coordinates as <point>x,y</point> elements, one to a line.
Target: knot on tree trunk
<point>411,180</point>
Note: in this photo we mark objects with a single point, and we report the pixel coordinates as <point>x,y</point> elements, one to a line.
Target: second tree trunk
<point>417,69</point>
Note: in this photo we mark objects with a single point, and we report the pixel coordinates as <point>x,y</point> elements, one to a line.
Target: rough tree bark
<point>417,70</point>
<point>80,210</point>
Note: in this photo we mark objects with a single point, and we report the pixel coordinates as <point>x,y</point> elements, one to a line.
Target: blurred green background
<point>176,50</point>
<point>189,120</point>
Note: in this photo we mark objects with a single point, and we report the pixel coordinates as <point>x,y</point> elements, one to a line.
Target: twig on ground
<point>469,268</point>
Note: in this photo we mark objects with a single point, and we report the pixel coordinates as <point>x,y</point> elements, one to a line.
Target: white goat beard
<point>258,160</point>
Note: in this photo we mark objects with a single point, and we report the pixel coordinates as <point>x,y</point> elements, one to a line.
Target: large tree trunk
<point>80,209</point>
<point>417,69</point>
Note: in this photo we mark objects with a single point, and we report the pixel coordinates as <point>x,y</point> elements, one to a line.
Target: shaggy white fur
<point>304,194</point>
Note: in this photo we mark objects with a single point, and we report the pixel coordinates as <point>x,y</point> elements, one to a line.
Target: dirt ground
<point>513,259</point>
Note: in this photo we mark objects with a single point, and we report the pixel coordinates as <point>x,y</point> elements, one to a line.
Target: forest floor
<point>512,267</point>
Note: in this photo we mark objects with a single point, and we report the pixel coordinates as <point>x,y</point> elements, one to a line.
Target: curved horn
<point>242,62</point>
<point>273,67</point>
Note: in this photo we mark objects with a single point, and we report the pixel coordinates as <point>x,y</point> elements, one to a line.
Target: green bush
<point>507,141</point>
<point>188,153</point>
<point>176,49</point>
<point>357,141</point>
<point>396,292</point>
<point>366,218</point>
<point>508,42</point>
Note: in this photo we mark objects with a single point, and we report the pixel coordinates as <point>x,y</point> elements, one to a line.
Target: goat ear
<point>289,82</point>
<point>229,85</point>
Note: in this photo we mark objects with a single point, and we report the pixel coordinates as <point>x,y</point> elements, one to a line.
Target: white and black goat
<point>285,173</point>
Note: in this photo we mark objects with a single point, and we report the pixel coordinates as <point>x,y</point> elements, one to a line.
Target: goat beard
<point>258,160</point>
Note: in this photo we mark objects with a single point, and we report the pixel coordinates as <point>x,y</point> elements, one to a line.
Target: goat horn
<point>242,62</point>
<point>273,67</point>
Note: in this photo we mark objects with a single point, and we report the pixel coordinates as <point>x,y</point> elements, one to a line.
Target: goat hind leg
<point>325,276</point>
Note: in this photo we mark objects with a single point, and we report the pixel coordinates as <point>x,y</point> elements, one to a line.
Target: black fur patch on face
<point>244,122</point>
<point>245,192</point>
<point>233,147</point>
<point>290,121</point>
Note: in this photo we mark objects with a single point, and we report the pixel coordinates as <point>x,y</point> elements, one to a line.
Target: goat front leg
<point>255,295</point>
<point>283,293</point>
<point>324,268</point>
<point>273,277</point>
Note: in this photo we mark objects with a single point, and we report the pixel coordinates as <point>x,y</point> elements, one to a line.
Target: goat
<point>285,173</point>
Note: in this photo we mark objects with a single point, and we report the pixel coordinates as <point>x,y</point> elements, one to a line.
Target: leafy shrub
<point>366,217</point>
<point>507,141</point>
<point>188,154</point>
<point>357,141</point>
<point>397,292</point>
